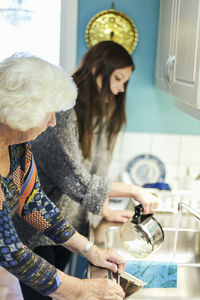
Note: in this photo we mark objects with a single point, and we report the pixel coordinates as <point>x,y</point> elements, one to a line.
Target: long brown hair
<point>92,109</point>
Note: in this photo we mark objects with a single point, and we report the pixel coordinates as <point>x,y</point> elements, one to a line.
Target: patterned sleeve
<point>36,209</point>
<point>21,261</point>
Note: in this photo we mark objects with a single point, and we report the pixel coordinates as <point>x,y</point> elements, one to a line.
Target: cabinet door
<point>165,43</point>
<point>186,51</point>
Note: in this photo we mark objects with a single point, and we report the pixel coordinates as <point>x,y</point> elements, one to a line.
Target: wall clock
<point>112,25</point>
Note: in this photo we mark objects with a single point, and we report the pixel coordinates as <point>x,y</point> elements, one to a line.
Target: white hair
<point>30,88</point>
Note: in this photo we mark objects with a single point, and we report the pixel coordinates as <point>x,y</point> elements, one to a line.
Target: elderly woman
<point>31,91</point>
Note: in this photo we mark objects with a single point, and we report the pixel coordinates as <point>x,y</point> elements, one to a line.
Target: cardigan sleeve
<point>60,165</point>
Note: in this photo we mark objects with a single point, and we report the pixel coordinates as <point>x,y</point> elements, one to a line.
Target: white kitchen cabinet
<point>178,51</point>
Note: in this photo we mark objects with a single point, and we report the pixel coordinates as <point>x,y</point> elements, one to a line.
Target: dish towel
<point>155,274</point>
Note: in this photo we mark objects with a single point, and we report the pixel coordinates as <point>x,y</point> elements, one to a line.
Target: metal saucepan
<point>142,235</point>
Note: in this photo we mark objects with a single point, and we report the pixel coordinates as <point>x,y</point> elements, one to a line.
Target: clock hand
<point>111,35</point>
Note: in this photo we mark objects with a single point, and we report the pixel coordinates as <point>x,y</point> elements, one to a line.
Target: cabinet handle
<point>167,69</point>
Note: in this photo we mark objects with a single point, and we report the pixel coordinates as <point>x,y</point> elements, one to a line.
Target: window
<point>31,26</point>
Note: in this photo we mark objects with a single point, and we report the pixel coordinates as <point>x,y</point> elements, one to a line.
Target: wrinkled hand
<point>73,288</point>
<point>148,200</point>
<point>106,258</point>
<point>101,289</point>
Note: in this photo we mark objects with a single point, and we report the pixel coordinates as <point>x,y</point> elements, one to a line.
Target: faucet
<point>191,210</point>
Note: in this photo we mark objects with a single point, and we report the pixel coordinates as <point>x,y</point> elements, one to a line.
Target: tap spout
<point>191,210</point>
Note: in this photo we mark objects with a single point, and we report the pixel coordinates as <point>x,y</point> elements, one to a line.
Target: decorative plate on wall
<point>145,169</point>
<point>112,25</point>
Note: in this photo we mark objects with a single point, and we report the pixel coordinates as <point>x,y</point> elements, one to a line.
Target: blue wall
<point>148,109</point>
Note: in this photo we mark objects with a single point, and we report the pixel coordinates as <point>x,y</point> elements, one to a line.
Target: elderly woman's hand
<point>101,289</point>
<point>148,200</point>
<point>106,258</point>
<point>87,289</point>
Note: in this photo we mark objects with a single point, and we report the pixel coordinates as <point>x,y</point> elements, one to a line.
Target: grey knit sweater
<point>75,185</point>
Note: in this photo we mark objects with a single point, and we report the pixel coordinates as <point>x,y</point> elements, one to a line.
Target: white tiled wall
<point>177,152</point>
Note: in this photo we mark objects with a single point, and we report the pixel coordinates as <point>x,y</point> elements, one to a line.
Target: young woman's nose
<point>121,88</point>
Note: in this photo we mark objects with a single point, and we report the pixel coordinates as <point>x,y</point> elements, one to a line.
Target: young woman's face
<point>118,79</point>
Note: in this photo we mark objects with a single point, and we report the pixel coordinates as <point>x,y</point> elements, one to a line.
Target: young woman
<point>31,91</point>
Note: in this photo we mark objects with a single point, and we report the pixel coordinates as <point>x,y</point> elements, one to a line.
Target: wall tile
<point>190,149</point>
<point>166,147</point>
<point>130,145</point>
<point>115,170</point>
<point>171,175</point>
<point>177,152</point>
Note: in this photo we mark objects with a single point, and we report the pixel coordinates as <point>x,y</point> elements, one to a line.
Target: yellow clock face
<point>112,25</point>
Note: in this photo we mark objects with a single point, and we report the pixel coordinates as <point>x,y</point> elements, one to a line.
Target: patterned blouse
<point>21,192</point>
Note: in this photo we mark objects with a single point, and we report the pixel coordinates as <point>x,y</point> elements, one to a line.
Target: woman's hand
<point>148,201</point>
<point>101,289</point>
<point>106,258</point>
<point>73,288</point>
<point>120,216</point>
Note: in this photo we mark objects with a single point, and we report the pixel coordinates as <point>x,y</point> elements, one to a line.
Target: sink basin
<point>187,257</point>
<point>187,250</point>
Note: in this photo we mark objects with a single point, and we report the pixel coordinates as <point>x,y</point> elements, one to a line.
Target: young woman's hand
<point>148,200</point>
<point>106,258</point>
<point>120,216</point>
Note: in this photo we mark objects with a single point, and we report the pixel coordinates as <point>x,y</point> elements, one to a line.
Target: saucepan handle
<point>110,274</point>
<point>138,216</point>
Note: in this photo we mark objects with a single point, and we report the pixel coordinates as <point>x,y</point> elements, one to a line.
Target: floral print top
<point>21,192</point>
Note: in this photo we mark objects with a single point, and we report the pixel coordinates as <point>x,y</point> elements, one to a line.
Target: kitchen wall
<point>177,152</point>
<point>154,125</point>
<point>148,110</point>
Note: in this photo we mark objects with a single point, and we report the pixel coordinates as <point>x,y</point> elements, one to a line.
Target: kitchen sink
<point>186,253</point>
<point>187,250</point>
